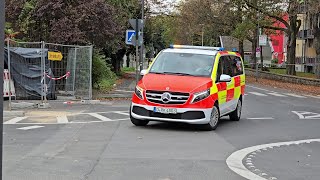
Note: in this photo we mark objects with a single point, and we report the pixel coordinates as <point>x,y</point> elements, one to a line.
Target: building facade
<point>305,48</point>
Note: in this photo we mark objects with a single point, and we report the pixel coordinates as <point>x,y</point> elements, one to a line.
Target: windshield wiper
<point>176,73</point>
<point>156,72</point>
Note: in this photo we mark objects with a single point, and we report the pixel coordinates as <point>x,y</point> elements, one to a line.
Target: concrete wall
<point>284,78</point>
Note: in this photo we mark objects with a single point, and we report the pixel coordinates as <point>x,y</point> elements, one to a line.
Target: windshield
<point>183,64</point>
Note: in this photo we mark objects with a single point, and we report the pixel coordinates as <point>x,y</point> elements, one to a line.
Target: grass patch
<point>105,85</point>
<point>300,74</point>
<point>128,69</point>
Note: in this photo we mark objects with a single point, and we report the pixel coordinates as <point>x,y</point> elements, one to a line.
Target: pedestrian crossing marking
<point>30,127</point>
<point>62,119</point>
<point>276,94</point>
<point>258,94</point>
<point>295,95</point>
<point>102,118</point>
<point>15,120</point>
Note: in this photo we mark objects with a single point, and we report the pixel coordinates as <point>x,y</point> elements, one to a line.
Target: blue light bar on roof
<point>196,47</point>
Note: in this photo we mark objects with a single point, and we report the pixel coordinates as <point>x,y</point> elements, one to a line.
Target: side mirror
<point>143,72</point>
<point>225,78</point>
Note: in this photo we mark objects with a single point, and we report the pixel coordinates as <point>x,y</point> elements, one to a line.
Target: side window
<point>237,66</point>
<point>227,68</point>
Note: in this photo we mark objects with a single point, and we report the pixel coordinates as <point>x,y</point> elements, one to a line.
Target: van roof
<point>193,51</point>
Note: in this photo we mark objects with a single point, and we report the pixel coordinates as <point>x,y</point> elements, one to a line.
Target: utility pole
<point>202,36</point>
<point>137,50</point>
<point>2,24</point>
<point>142,46</point>
<point>258,33</point>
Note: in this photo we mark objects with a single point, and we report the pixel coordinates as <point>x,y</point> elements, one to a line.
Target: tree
<point>275,10</point>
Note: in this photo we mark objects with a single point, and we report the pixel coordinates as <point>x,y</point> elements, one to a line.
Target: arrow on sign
<point>307,115</point>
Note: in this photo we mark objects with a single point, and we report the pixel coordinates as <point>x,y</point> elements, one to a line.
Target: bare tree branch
<point>268,14</point>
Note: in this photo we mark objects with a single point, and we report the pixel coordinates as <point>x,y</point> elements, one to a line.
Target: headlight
<point>200,96</point>
<point>139,92</point>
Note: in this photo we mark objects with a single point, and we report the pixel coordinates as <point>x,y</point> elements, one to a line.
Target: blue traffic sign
<point>130,34</point>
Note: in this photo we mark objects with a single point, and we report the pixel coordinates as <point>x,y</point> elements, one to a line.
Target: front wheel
<point>214,119</point>
<point>236,114</point>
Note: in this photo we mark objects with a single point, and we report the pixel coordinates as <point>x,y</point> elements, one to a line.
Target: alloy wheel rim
<point>239,109</point>
<point>214,116</point>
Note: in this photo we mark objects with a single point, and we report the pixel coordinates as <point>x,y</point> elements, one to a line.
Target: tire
<point>236,114</point>
<point>214,119</point>
<point>138,122</point>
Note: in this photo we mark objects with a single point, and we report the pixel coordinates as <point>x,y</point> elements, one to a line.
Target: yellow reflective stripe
<point>230,85</point>
<point>153,62</point>
<point>215,68</point>
<point>237,92</point>
<point>222,97</point>
<point>242,80</point>
<point>232,53</point>
<point>214,88</point>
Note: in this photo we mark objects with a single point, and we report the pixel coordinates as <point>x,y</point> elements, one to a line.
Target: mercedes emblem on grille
<point>166,97</point>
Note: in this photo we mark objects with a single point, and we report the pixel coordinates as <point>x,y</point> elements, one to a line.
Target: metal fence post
<point>9,70</point>
<point>90,74</point>
<point>74,71</point>
<point>42,73</point>
<point>43,59</point>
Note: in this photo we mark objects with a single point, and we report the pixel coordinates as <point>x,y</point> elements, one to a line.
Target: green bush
<point>102,76</point>
<point>128,69</point>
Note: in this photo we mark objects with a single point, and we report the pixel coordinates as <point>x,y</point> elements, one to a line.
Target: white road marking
<point>258,94</point>
<point>307,115</point>
<point>15,120</point>
<point>124,119</point>
<point>119,90</point>
<point>123,113</point>
<point>62,119</point>
<point>289,94</point>
<point>102,118</point>
<point>276,94</point>
<point>258,88</point>
<point>318,97</point>
<point>260,118</point>
<point>295,95</point>
<point>234,161</point>
<point>30,127</point>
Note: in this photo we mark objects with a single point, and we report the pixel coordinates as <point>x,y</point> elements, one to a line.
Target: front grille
<point>176,97</point>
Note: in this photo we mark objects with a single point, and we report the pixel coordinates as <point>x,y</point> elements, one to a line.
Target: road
<point>100,142</point>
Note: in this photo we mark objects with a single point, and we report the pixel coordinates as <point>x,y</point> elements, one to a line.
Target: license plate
<point>165,110</point>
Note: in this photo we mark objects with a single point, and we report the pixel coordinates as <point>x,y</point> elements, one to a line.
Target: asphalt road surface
<point>101,143</point>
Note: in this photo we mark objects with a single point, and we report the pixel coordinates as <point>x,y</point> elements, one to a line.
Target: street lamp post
<point>142,45</point>
<point>202,36</point>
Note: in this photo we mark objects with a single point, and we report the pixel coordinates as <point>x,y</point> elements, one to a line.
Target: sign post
<point>134,37</point>
<point>2,20</point>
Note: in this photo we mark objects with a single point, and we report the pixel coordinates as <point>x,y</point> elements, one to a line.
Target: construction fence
<point>47,71</point>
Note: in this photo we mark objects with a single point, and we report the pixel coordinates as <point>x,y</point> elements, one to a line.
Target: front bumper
<point>184,115</point>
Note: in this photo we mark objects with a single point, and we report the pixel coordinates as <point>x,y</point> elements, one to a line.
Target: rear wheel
<point>236,114</point>
<point>138,122</point>
<point>214,119</point>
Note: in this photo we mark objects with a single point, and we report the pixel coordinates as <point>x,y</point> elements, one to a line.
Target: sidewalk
<point>297,88</point>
